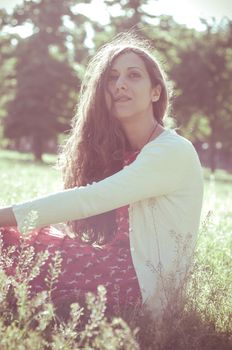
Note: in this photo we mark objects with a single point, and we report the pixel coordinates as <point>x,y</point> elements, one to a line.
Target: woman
<point>133,188</point>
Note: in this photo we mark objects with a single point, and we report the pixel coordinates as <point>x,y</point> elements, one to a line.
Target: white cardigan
<point>164,189</point>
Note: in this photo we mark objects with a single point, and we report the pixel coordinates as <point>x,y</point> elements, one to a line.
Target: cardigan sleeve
<point>159,169</point>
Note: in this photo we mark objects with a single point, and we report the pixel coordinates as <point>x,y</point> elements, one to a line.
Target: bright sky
<point>185,12</point>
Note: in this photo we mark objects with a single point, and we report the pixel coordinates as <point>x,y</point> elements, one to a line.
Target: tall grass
<point>199,319</point>
<point>31,322</point>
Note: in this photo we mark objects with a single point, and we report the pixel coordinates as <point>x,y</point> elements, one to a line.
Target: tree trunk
<point>37,147</point>
<point>212,143</point>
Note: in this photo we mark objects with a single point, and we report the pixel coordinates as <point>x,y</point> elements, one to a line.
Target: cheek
<point>144,95</point>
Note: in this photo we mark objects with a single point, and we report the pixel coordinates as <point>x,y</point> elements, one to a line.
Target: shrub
<point>30,321</point>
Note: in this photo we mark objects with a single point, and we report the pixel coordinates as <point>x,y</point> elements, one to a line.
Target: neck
<point>139,135</point>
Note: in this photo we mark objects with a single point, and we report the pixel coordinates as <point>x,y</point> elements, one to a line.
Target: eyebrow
<point>129,68</point>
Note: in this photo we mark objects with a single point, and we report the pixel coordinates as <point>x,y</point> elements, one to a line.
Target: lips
<point>122,98</point>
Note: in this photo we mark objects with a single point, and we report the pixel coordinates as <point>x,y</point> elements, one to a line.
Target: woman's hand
<point>7,217</point>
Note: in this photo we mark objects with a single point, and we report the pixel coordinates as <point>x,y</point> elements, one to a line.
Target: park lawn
<point>210,292</point>
<point>21,178</point>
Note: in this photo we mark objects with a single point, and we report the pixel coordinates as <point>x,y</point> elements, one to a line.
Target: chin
<point>124,115</point>
<point>130,116</point>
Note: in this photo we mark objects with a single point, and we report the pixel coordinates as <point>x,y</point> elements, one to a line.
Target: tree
<point>8,43</point>
<point>46,81</point>
<point>131,15</point>
<point>203,82</point>
<point>44,101</point>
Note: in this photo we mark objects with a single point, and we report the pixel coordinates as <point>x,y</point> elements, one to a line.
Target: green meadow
<point>206,318</point>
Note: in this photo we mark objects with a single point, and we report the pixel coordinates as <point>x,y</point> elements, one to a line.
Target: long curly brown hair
<point>97,143</point>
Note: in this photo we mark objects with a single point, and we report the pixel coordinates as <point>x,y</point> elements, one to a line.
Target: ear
<point>156,92</point>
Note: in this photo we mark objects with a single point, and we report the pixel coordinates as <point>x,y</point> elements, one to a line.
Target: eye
<point>134,75</point>
<point>112,77</point>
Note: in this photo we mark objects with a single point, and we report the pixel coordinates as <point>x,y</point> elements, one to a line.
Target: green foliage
<point>133,14</point>
<point>40,75</point>
<point>30,321</point>
<point>7,74</point>
<point>53,272</point>
<point>47,83</point>
<point>203,82</point>
<point>43,103</point>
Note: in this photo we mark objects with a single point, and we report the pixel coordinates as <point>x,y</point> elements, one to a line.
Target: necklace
<point>153,131</point>
<point>149,138</point>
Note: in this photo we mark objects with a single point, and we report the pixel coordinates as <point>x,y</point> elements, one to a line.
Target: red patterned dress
<point>84,267</point>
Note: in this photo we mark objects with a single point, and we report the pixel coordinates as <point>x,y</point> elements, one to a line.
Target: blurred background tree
<point>204,90</point>
<point>41,74</point>
<point>7,68</point>
<point>44,98</point>
<point>133,14</point>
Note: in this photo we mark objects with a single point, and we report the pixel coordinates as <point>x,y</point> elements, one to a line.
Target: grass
<point>203,319</point>
<point>21,178</point>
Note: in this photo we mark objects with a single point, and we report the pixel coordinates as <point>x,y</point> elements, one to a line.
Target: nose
<point>121,83</point>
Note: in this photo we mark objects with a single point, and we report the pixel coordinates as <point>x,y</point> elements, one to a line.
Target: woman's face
<point>129,92</point>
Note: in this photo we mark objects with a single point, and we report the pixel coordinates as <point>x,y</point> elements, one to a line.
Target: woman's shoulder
<point>169,146</point>
<point>170,139</point>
